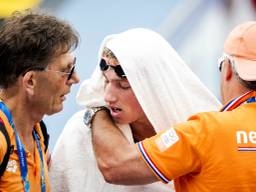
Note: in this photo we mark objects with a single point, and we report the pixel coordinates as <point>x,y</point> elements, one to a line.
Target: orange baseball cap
<point>241,45</point>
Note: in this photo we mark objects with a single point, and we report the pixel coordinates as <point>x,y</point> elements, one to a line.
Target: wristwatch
<point>89,114</point>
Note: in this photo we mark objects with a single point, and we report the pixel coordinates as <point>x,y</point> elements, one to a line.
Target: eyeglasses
<point>118,69</point>
<point>69,74</point>
<point>223,58</point>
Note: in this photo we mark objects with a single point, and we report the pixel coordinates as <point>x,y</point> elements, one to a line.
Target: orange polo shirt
<point>213,151</point>
<point>11,179</point>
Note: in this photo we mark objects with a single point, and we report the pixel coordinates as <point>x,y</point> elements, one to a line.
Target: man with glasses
<point>212,151</point>
<point>37,70</point>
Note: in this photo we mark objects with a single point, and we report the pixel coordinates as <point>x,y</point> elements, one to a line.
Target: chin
<point>55,110</point>
<point>121,121</point>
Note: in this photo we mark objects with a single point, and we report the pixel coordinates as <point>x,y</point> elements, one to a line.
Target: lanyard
<point>22,153</point>
<point>41,160</point>
<point>248,97</point>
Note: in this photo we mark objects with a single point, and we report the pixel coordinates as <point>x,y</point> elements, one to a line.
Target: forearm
<point>119,161</point>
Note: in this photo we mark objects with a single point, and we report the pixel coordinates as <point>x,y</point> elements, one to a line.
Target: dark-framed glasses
<point>69,74</point>
<point>118,69</point>
<point>35,68</point>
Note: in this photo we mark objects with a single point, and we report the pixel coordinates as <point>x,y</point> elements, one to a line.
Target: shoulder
<point>215,121</point>
<point>201,121</point>
<point>204,130</point>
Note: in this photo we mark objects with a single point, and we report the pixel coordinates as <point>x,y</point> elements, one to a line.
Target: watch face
<point>88,116</point>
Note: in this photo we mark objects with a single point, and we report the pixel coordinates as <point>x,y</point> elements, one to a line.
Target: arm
<point>119,161</point>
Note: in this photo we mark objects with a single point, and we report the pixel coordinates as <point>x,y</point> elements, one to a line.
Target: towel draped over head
<point>167,90</point>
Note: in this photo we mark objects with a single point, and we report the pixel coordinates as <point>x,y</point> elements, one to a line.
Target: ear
<point>29,82</point>
<point>228,71</point>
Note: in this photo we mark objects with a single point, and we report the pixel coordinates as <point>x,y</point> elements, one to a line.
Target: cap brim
<point>245,68</point>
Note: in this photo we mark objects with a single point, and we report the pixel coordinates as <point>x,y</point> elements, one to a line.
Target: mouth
<point>115,111</point>
<point>64,96</point>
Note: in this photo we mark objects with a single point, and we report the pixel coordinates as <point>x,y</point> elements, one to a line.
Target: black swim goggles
<point>118,69</point>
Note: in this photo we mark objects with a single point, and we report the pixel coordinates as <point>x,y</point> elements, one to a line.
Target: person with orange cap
<point>212,151</point>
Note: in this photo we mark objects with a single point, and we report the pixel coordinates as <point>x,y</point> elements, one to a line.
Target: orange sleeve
<point>174,152</point>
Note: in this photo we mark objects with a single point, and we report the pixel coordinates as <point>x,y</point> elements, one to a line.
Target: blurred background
<point>195,28</point>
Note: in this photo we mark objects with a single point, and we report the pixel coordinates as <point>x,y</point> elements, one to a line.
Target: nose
<point>74,78</point>
<point>109,94</point>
